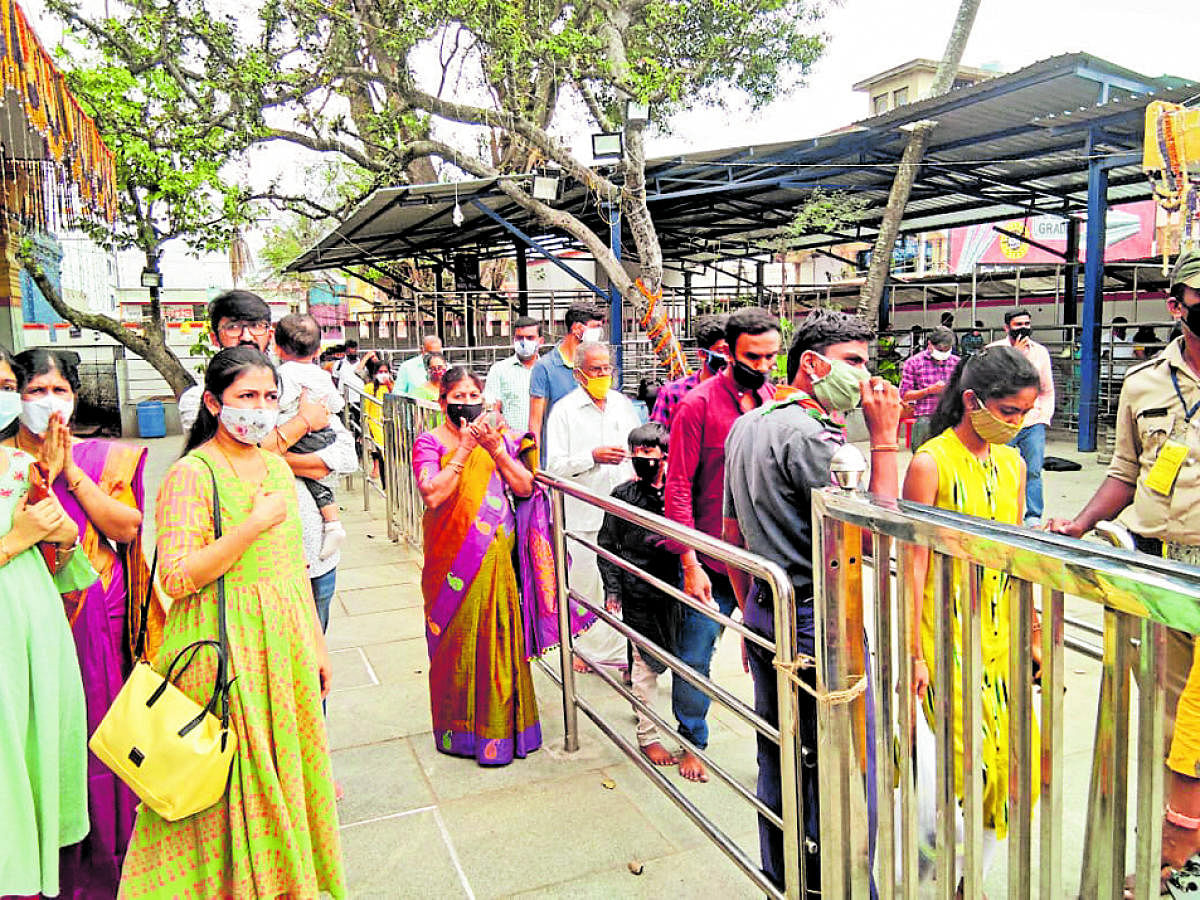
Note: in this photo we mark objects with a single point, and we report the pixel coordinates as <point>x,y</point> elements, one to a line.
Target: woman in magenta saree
<point>480,684</point>
<point>99,484</point>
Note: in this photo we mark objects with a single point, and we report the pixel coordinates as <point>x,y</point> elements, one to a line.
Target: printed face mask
<point>10,408</point>
<point>463,414</point>
<point>525,347</point>
<point>35,414</point>
<point>646,468</point>
<point>249,425</point>
<point>990,427</point>
<point>838,389</point>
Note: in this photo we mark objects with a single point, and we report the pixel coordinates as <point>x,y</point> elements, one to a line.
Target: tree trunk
<point>906,175</point>
<point>150,346</point>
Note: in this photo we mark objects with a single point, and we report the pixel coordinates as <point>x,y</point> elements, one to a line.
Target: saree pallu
<point>101,624</point>
<point>480,685</point>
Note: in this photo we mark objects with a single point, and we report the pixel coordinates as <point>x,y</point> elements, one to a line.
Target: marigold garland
<point>1171,160</point>
<point>657,326</point>
<point>72,173</point>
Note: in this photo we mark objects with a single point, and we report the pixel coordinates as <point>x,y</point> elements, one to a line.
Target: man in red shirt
<point>694,496</point>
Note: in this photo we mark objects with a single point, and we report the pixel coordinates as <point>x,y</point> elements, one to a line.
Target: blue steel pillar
<point>615,317</point>
<point>1093,300</point>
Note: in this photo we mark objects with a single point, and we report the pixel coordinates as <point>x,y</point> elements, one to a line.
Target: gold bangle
<point>456,466</point>
<point>78,481</point>
<point>881,448</point>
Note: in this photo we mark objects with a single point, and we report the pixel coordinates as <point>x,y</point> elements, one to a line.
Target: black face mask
<point>747,378</point>
<point>352,356</point>
<point>1019,334</point>
<point>1191,318</point>
<point>463,414</point>
<point>647,469</point>
<point>715,362</point>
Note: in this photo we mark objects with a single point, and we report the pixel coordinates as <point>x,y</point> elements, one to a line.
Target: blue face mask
<point>10,408</point>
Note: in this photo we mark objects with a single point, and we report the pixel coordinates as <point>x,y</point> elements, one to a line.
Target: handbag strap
<point>223,650</point>
<point>139,644</point>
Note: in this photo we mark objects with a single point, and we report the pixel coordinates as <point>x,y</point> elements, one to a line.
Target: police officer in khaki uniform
<point>1153,484</point>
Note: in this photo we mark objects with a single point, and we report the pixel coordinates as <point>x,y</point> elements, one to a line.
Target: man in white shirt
<point>349,370</point>
<point>586,442</point>
<point>508,379</point>
<point>411,374</point>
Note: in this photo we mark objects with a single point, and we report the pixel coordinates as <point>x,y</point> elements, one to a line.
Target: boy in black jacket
<point>643,607</point>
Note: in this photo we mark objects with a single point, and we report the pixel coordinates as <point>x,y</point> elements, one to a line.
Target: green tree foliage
<point>170,156</point>
<point>389,85</point>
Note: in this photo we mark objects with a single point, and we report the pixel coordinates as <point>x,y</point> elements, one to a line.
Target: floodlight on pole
<point>637,112</point>
<point>608,146</point>
<point>545,187</point>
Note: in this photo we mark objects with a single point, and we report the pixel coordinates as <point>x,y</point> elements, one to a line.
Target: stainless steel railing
<point>1139,597</point>
<point>785,736</point>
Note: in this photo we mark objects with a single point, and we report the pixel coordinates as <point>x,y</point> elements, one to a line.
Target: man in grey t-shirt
<point>775,457</point>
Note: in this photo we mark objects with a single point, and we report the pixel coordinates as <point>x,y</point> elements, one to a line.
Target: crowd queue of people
<point>725,450</point>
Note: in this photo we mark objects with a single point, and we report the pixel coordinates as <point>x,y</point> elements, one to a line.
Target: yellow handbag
<point>172,752</point>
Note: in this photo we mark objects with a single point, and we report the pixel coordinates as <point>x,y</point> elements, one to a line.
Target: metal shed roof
<point>1012,145</point>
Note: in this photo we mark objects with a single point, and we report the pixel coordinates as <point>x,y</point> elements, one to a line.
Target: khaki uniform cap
<point>1187,269</point>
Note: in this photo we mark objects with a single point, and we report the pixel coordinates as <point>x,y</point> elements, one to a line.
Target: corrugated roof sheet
<point>1003,147</point>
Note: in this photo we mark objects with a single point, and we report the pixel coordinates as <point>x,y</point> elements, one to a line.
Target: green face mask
<point>839,389</point>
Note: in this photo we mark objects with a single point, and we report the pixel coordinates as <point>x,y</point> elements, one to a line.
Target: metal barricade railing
<point>1140,598</point>
<point>785,736</point>
<point>401,420</point>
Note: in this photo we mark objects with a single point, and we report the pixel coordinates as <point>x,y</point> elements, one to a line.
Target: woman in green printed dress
<point>43,721</point>
<point>275,831</point>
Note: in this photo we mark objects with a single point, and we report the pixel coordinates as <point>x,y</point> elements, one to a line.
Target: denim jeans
<point>695,641</point>
<point>322,591</point>
<point>1031,442</point>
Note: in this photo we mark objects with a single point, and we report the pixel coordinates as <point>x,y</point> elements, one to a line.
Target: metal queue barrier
<point>1140,597</point>
<point>785,736</point>
<point>404,418</point>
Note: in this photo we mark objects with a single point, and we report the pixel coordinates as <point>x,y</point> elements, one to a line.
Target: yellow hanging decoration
<point>85,180</point>
<point>657,326</point>
<point>1171,160</point>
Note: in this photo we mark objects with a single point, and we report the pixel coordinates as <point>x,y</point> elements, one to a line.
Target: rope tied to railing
<point>823,698</point>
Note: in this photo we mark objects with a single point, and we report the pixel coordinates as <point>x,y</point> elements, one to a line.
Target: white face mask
<point>250,425</point>
<point>595,335</point>
<point>10,408</point>
<point>939,355</point>
<point>525,347</point>
<point>35,414</point>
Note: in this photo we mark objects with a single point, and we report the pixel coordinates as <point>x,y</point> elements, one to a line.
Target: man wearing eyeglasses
<point>241,317</point>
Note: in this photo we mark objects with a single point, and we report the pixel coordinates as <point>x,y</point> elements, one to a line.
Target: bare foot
<point>659,755</point>
<point>580,666</point>
<point>691,768</point>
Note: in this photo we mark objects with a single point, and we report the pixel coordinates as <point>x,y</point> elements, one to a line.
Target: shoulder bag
<point>172,752</point>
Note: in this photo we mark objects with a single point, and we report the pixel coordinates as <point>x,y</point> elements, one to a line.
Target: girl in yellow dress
<point>966,467</point>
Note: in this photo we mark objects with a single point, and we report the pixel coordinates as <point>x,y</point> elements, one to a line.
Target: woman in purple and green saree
<point>480,684</point>
<point>99,485</point>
